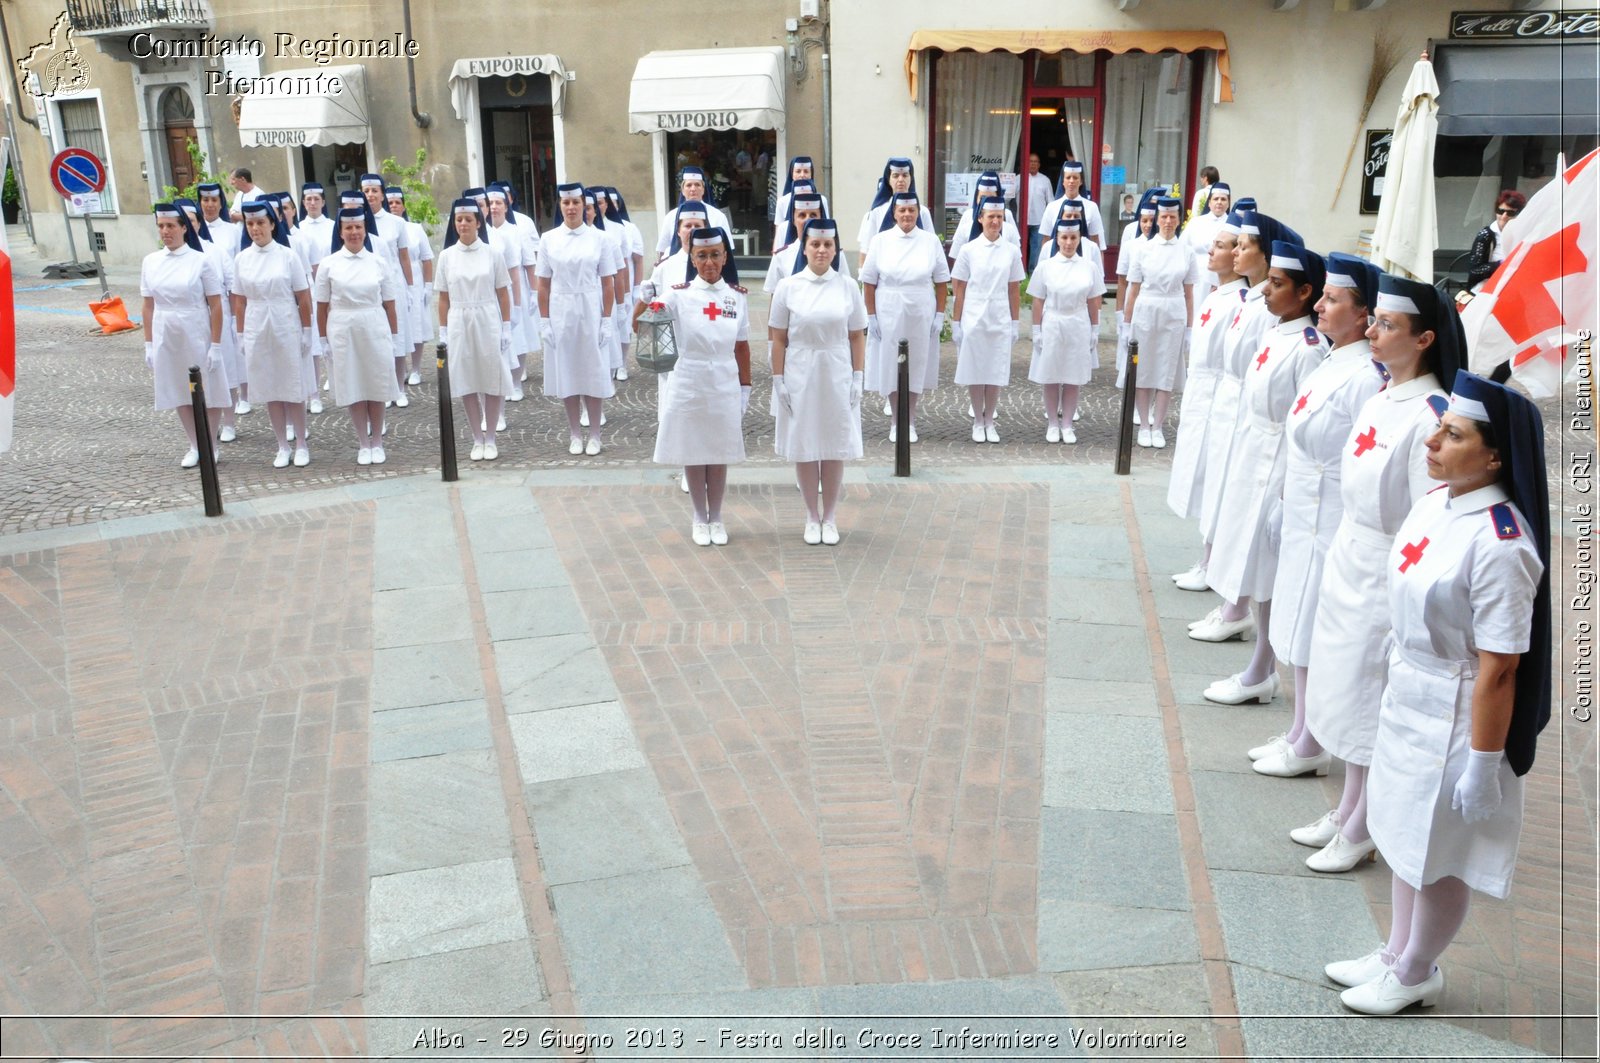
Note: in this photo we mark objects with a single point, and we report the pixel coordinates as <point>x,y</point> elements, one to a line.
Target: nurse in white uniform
<point>393,232</point>
<point>1468,690</point>
<point>594,199</point>
<point>387,250</point>
<point>701,425</point>
<point>1140,231</point>
<point>691,189</point>
<point>967,226</point>
<point>1383,473</point>
<point>801,168</point>
<point>312,239</point>
<point>899,175</point>
<point>817,331</point>
<point>528,230</point>
<point>233,367</point>
<point>1319,426</point>
<point>905,281</point>
<point>1199,232</point>
<point>421,251</point>
<point>1160,305</point>
<point>1066,288</point>
<point>575,295</point>
<point>1072,188</point>
<point>632,243</point>
<point>358,315</point>
<point>475,310</point>
<point>272,311</point>
<point>512,250</point>
<point>803,207</point>
<point>182,291</point>
<point>987,276</point>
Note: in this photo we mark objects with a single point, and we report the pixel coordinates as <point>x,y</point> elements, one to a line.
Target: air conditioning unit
<point>810,10</point>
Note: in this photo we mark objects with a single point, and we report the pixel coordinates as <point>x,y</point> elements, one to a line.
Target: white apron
<point>1066,285</point>
<point>573,260</point>
<point>471,275</point>
<point>1318,426</point>
<point>988,267</point>
<point>1462,578</point>
<point>360,346</point>
<point>1240,342</point>
<point>819,313</point>
<point>391,237</point>
<point>1382,472</point>
<point>700,419</point>
<point>1160,315</point>
<point>268,278</point>
<point>904,267</point>
<point>1186,487</point>
<point>512,250</point>
<point>180,325</point>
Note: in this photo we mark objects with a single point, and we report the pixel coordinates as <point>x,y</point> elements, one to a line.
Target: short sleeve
<point>211,279</point>
<point>962,270</point>
<point>869,268</point>
<point>388,289</point>
<point>299,276</point>
<point>441,273</point>
<point>1091,214</point>
<point>858,308</point>
<point>864,234</point>
<point>1192,274</point>
<point>145,291</point>
<point>941,264</point>
<point>635,241</point>
<point>743,331</point>
<point>1505,578</point>
<point>502,275</point>
<point>426,249</point>
<point>778,313</point>
<point>669,226</point>
<point>1135,272</point>
<point>774,275</point>
<point>322,286</point>
<point>1017,273</point>
<point>543,269</point>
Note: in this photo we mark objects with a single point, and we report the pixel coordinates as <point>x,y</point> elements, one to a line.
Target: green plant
<point>197,159</point>
<point>11,195</point>
<point>420,207</point>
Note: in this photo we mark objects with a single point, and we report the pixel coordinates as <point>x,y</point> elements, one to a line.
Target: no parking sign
<point>80,177</point>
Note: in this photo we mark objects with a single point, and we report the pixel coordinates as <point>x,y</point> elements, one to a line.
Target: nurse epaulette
<point>1505,521</point>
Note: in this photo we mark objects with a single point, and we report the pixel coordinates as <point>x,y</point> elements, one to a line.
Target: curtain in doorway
<point>1079,113</point>
<point>980,108</point>
<point>1147,118</point>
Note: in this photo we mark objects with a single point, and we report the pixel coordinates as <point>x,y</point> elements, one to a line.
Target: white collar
<point>1420,385</point>
<point>1294,325</point>
<point>1472,501</point>
<point>1356,349</point>
<point>699,283</point>
<point>815,278</point>
<point>1233,285</point>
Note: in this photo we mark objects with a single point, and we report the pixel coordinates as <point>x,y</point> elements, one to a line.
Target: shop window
<point>740,170</point>
<point>1147,124</point>
<point>1469,173</point>
<point>1064,70</point>
<point>78,125</point>
<point>979,108</point>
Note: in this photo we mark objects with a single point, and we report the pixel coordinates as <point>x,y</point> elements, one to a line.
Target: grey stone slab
<point>485,980</point>
<point>431,811</point>
<point>1098,697</point>
<point>573,741</point>
<point>1343,1035</point>
<point>603,825</point>
<point>442,909</point>
<point>930,1011</point>
<point>1215,737</point>
<point>1108,541</point>
<point>420,616</point>
<point>1156,992</point>
<point>146,524</point>
<point>1095,601</point>
<point>1094,856</point>
<point>1097,651</point>
<point>532,613</point>
<point>1245,820</point>
<point>1328,915</point>
<point>296,501</point>
<point>1115,763</point>
<point>649,932</point>
<point>524,531</point>
<point>422,486</point>
<point>551,672</point>
<point>515,570</point>
<point>1214,660</point>
<point>1079,566</point>
<point>428,730</point>
<point>1071,505</point>
<point>426,675</point>
<point>53,538</point>
<point>1074,936</point>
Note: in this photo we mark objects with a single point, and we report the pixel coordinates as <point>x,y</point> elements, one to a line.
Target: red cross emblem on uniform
<point>1301,403</point>
<point>1412,552</point>
<point>1205,316</point>
<point>1366,440</point>
<point>1237,314</point>
<point>712,310</point>
<point>1261,359</point>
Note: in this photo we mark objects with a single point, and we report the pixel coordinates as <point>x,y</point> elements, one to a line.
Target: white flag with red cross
<point>1530,311</point>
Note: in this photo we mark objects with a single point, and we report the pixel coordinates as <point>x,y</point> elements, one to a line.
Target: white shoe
<point>282,460</point>
<point>499,425</point>
<point>830,533</point>
<point>477,452</point>
<point>364,456</point>
<point>490,452</point>
<point>622,373</point>
<point>991,433</point>
<point>978,433</point>
<point>592,447</point>
<point>1234,691</point>
<point>701,533</point>
<point>1052,434</point>
<point>575,446</point>
<point>970,411</point>
<point>1368,968</point>
<point>888,410</point>
<point>1076,414</point>
<point>414,378</point>
<point>1386,996</point>
<point>228,434</point>
<point>683,482</point>
<point>289,431</point>
<point>1341,854</point>
<point>242,407</point>
<point>190,459</point>
<point>605,418</point>
<point>719,533</point>
<point>378,456</point>
<point>894,436</point>
<point>1210,617</point>
<point>516,394</point>
<point>1136,416</point>
<point>1291,765</point>
<point>316,405</point>
<point>302,457</point>
<point>1144,437</point>
<point>1220,630</point>
<point>1158,439</point>
<point>1317,833</point>
<point>1277,744</point>
<point>384,430</point>
<point>913,433</point>
<point>813,533</point>
<point>1068,435</point>
<point>388,404</point>
<point>1192,580</point>
<point>326,384</point>
<point>403,401</point>
<point>583,416</point>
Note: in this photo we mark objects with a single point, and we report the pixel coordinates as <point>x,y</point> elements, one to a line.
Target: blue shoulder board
<point>740,289</point>
<point>1505,521</point>
<point>685,284</point>
<point>1439,404</point>
<point>1313,337</point>
<point>1244,294</point>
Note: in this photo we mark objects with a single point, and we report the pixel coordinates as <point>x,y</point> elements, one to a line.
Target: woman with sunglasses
<point>1489,247</point>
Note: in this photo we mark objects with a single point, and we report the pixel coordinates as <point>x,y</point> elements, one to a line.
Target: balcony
<point>102,18</point>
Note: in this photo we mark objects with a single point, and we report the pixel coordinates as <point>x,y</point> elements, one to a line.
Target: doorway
<point>519,145</point>
<point>177,125</point>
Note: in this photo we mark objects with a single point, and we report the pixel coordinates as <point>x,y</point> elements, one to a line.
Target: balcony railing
<point>114,16</point>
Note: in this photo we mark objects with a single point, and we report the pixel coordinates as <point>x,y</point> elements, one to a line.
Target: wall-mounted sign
<point>1374,162</point>
<point>1569,25</point>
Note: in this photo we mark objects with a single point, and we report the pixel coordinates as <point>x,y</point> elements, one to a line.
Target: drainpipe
<point>422,118</point>
<point>827,104</point>
<point>11,67</point>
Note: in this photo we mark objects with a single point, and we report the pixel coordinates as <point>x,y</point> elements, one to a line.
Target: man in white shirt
<point>248,192</point>
<point>1039,195</point>
<point>691,188</point>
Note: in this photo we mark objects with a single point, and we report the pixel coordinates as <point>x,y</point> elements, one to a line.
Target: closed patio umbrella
<point>1407,231</point>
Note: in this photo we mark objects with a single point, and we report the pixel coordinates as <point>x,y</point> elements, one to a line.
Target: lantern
<point>656,347</point>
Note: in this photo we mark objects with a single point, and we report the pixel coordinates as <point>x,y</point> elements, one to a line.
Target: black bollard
<point>447,419</point>
<point>902,412</point>
<point>1130,381</point>
<point>210,489</point>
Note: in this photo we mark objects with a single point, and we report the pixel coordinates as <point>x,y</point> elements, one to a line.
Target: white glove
<point>1188,338</point>
<point>780,391</point>
<point>1477,794</point>
<point>938,326</point>
<point>214,355</point>
<point>955,332</point>
<point>744,399</point>
<point>1038,333</point>
<point>505,338</point>
<point>608,334</point>
<point>858,380</point>
<point>547,332</point>
<point>149,356</point>
<point>305,341</point>
<point>322,346</point>
<point>1016,331</point>
<point>444,336</point>
<point>1274,524</point>
<point>874,333</point>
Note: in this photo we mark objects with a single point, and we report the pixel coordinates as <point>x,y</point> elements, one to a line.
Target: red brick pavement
<point>849,738</point>
<point>183,748</point>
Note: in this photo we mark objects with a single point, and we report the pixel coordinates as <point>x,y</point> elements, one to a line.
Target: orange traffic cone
<point>111,316</point>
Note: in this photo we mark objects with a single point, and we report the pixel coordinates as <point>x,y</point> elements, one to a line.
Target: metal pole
<point>72,245</point>
<point>1125,421</point>
<point>209,487</point>
<point>100,271</point>
<point>902,412</point>
<point>447,418</point>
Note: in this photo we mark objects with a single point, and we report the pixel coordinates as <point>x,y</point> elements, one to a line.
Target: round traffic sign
<point>77,172</point>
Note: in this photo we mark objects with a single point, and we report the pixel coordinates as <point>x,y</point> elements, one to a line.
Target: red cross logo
<point>1205,316</point>
<point>712,310</point>
<point>1366,440</point>
<point>1237,314</point>
<point>1412,552</point>
<point>1261,359</point>
<point>1300,405</point>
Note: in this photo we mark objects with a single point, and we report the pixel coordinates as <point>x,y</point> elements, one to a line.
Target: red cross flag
<point>1530,310</point>
<point>8,344</point>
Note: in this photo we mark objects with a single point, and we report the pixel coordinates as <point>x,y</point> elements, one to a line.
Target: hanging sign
<point>1572,24</point>
<point>1374,163</point>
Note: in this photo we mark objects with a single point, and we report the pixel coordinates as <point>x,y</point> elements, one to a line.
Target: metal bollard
<point>902,412</point>
<point>1130,381</point>
<point>447,418</point>
<point>210,489</point>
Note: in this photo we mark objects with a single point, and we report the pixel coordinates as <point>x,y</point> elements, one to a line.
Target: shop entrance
<point>738,164</point>
<point>519,145</point>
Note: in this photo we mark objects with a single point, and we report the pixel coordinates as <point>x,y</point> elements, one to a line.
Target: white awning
<point>302,108</point>
<point>707,88</point>
<point>465,73</point>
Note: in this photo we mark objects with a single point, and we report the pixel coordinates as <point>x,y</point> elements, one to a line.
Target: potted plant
<point>11,199</point>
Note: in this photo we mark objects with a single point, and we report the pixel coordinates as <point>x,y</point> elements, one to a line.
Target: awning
<point>1516,89</point>
<point>1083,41</point>
<point>707,88</point>
<point>465,72</point>
<point>305,109</point>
